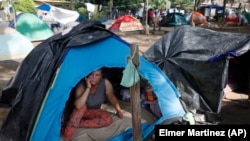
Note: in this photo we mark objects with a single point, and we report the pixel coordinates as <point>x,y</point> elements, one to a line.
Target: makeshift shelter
<point>31,27</point>
<point>61,15</point>
<point>42,85</point>
<point>13,44</point>
<point>173,19</point>
<point>199,66</point>
<point>196,17</point>
<point>126,23</point>
<point>211,10</point>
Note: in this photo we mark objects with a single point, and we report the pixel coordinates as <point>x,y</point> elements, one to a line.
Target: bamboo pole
<point>135,99</point>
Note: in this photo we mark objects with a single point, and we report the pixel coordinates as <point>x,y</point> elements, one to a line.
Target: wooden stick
<point>135,99</point>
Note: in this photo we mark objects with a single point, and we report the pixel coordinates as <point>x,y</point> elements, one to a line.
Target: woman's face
<point>95,77</point>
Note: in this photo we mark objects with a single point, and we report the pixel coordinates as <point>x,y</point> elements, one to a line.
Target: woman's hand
<point>88,84</point>
<point>120,113</point>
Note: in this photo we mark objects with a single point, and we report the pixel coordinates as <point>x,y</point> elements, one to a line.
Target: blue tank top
<point>95,100</point>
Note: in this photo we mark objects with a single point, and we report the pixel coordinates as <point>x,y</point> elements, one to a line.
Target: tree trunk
<point>111,7</point>
<point>224,9</point>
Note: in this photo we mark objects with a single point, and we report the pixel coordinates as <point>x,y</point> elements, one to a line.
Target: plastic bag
<point>130,75</point>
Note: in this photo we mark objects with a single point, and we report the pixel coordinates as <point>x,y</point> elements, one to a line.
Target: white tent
<point>13,44</point>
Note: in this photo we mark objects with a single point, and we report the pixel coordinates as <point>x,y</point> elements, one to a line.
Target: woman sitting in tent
<point>89,96</point>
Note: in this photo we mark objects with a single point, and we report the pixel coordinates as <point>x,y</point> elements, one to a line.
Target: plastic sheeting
<point>196,60</point>
<point>60,15</point>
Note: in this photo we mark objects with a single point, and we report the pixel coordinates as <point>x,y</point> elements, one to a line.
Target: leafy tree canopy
<point>24,6</point>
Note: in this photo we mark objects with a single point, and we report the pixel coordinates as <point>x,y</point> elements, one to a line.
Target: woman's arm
<point>81,95</point>
<point>112,98</point>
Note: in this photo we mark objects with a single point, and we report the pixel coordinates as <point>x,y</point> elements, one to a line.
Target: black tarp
<point>196,60</point>
<point>27,89</point>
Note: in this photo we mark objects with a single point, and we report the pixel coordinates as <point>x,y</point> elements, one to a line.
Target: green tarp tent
<point>32,27</point>
<point>173,19</point>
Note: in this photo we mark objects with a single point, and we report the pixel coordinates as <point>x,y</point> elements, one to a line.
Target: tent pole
<point>135,98</point>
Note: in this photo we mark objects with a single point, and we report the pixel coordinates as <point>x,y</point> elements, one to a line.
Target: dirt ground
<point>235,106</point>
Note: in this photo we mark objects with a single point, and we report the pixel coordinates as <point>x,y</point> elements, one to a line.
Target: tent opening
<point>114,75</point>
<point>150,109</point>
<point>238,74</point>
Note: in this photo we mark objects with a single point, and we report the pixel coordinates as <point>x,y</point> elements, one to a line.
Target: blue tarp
<point>44,7</point>
<point>217,7</point>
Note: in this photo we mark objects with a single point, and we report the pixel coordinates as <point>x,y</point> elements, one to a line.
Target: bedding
<point>118,126</point>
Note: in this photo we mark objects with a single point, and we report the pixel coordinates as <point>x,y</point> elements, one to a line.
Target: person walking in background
<point>151,15</point>
<point>115,13</point>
